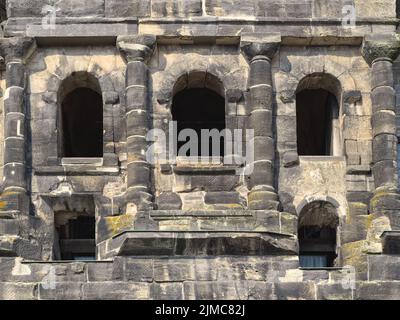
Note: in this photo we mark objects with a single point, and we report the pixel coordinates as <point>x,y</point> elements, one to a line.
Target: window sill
<point>321,268</point>
<point>201,169</point>
<point>98,162</point>
<point>323,158</point>
<point>187,166</point>
<point>76,170</point>
<point>78,167</point>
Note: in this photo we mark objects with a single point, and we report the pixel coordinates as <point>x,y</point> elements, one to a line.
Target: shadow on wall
<point>3,10</point>
<point>398,8</point>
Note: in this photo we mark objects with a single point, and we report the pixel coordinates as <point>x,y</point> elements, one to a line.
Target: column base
<point>139,198</point>
<point>387,202</point>
<point>263,200</point>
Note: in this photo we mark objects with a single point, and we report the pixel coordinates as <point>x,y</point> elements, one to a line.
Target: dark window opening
<point>197,109</point>
<point>318,222</point>
<point>75,235</point>
<point>317,247</point>
<point>3,10</point>
<point>398,8</point>
<point>82,123</point>
<point>316,111</point>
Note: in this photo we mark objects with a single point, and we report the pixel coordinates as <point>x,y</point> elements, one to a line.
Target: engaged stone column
<point>380,50</point>
<point>137,50</point>
<point>260,49</point>
<point>15,52</point>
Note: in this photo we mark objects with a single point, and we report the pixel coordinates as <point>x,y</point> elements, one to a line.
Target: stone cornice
<point>381,46</point>
<point>260,45</point>
<point>137,48</point>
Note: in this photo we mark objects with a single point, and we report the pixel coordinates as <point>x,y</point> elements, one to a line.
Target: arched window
<point>318,222</point>
<point>81,117</point>
<point>317,115</point>
<point>200,105</point>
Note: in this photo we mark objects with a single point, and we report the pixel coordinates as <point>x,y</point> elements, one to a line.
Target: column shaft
<point>380,50</point>
<point>14,128</point>
<point>384,141</point>
<point>15,199</point>
<point>137,51</point>
<point>263,195</point>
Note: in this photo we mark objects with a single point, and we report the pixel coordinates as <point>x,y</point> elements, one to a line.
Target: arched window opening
<point>317,116</point>
<point>317,235</point>
<point>198,107</point>
<point>81,118</point>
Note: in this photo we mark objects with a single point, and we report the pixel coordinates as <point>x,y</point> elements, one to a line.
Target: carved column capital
<point>381,46</point>
<point>260,45</point>
<point>17,49</point>
<point>137,48</point>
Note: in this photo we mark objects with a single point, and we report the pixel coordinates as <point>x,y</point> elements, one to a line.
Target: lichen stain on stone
<point>118,224</point>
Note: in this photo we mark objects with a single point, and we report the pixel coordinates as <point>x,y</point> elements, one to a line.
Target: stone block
<point>384,172</point>
<point>232,290</point>
<point>176,8</point>
<point>260,121</point>
<point>105,271</point>
<point>295,291</point>
<point>224,197</point>
<point>116,291</point>
<point>174,270</point>
<point>138,270</point>
<point>384,267</point>
<point>384,147</point>
<point>167,291</point>
<point>120,8</point>
<point>168,201</point>
<point>290,159</point>
<point>380,290</point>
<point>355,228</point>
<point>383,98</point>
<point>335,291</point>
<point>382,74</point>
<point>61,291</point>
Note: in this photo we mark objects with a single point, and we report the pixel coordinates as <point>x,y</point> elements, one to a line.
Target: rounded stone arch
<point>337,204</point>
<point>319,225</point>
<point>78,79</point>
<point>331,216</point>
<point>94,74</point>
<point>318,98</point>
<point>217,77</point>
<point>343,80</point>
<point>198,102</point>
<point>196,79</point>
<point>318,80</point>
<point>80,116</point>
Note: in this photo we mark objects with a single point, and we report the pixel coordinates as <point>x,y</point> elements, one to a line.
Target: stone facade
<point>183,231</point>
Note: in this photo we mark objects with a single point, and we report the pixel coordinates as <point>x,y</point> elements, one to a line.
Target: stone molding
<point>256,46</point>
<point>381,46</point>
<point>17,49</point>
<point>137,48</point>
